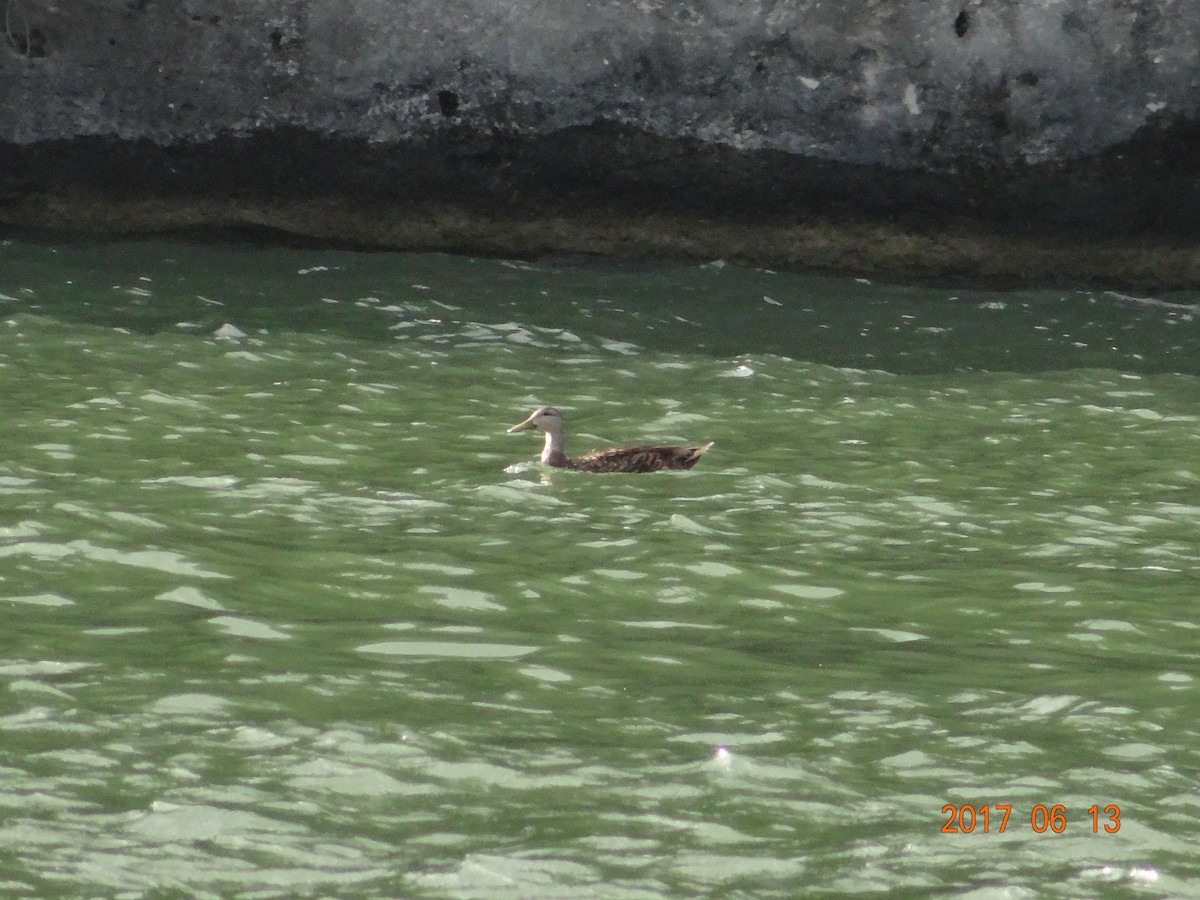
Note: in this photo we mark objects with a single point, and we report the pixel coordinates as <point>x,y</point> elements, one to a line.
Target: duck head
<point>544,418</point>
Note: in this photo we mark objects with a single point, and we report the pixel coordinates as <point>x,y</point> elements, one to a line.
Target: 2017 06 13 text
<point>967,818</point>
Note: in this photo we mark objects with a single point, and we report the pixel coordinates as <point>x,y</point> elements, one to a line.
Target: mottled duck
<point>631,459</point>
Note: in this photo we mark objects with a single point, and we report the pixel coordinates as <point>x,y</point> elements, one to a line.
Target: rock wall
<point>1003,114</point>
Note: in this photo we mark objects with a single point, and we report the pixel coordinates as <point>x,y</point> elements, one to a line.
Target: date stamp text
<point>994,817</point>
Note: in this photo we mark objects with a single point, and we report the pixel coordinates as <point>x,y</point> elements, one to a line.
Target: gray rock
<point>1010,113</point>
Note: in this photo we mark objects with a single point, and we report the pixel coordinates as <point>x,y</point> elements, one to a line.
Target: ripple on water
<point>39,600</point>
<point>449,649</point>
<point>893,635</point>
<point>190,596</point>
<point>326,775</point>
<point>688,525</point>
<point>168,561</point>
<point>236,626</point>
<point>713,569</point>
<point>461,598</point>
<point>171,822</point>
<point>205,482</point>
<point>545,674</point>
<point>192,704</point>
<point>808,591</point>
<point>1040,587</point>
<point>484,876</point>
<point>30,668</point>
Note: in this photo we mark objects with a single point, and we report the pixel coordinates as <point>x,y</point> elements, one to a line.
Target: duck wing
<point>638,459</point>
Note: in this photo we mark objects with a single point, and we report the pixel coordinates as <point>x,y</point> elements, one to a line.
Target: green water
<point>287,613</point>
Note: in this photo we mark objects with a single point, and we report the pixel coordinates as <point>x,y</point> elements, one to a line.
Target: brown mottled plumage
<point>633,459</point>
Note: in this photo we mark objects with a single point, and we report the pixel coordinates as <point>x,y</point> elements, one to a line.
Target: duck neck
<point>552,452</point>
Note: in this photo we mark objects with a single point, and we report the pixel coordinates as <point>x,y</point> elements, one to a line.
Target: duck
<point>550,420</point>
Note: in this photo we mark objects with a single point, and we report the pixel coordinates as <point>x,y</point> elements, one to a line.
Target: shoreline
<point>960,252</point>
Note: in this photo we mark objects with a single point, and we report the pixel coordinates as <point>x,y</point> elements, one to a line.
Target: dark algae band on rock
<point>1009,140</point>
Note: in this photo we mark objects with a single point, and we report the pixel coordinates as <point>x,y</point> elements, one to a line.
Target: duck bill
<point>524,426</point>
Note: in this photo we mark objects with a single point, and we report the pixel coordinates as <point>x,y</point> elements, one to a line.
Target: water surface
<point>287,614</point>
